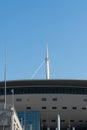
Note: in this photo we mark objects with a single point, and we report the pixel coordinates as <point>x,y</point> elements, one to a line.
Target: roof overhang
<point>62,82</point>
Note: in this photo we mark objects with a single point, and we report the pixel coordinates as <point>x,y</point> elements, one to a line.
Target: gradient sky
<point>26,26</point>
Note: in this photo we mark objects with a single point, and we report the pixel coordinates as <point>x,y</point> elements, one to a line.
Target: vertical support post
<point>48,128</point>
<point>5,79</point>
<point>58,122</point>
<point>73,128</point>
<point>31,127</point>
<point>12,97</point>
<point>12,118</point>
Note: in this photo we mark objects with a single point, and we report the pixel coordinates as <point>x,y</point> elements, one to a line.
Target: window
<point>71,120</point>
<point>80,120</point>
<point>18,99</point>
<point>14,120</point>
<point>28,107</point>
<point>44,99</point>
<point>43,120</point>
<point>54,99</point>
<point>62,120</point>
<point>30,117</point>
<point>85,100</point>
<point>84,108</point>
<point>53,121</point>
<point>43,107</point>
<point>74,108</point>
<point>2,100</point>
<point>46,89</point>
<point>54,107</point>
<point>64,107</point>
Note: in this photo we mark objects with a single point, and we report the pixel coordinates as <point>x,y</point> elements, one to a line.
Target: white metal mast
<point>5,77</point>
<point>47,64</point>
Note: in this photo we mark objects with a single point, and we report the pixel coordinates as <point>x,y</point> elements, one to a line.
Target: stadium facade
<point>47,104</point>
<point>48,99</point>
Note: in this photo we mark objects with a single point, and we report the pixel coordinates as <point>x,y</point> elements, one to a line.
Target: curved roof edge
<point>65,82</point>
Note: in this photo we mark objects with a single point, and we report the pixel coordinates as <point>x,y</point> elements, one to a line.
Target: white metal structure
<point>47,65</point>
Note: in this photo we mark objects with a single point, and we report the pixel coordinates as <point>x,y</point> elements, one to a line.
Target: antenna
<point>47,64</point>
<point>5,77</point>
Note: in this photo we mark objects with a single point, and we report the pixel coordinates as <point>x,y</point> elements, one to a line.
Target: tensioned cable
<point>37,69</point>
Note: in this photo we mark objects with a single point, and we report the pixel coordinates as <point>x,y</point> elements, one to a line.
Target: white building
<point>9,119</point>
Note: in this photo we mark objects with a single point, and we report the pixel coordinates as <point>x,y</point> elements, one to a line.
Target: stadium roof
<point>45,82</point>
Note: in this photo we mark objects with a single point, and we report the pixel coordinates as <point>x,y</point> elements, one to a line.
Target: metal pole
<point>5,79</point>
<point>48,128</point>
<point>73,128</point>
<point>12,97</point>
<point>58,122</point>
<point>47,64</point>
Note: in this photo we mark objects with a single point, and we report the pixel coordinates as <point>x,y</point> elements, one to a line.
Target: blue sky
<point>26,26</point>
